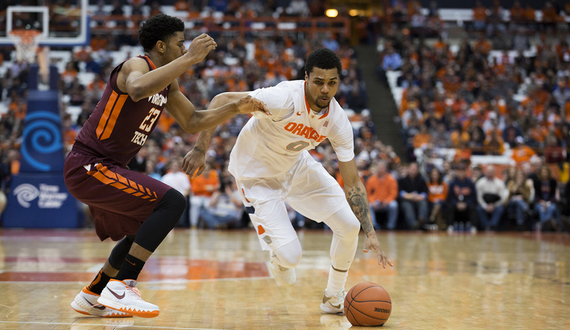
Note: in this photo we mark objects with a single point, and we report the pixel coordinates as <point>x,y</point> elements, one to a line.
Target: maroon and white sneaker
<point>86,303</point>
<point>125,297</point>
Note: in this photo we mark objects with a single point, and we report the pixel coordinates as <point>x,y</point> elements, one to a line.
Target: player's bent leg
<point>121,293</point>
<point>345,227</point>
<point>284,260</point>
<point>120,251</point>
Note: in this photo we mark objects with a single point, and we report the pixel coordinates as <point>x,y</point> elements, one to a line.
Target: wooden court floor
<point>219,280</point>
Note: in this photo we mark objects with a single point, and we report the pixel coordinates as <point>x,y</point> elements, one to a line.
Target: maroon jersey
<point>119,126</point>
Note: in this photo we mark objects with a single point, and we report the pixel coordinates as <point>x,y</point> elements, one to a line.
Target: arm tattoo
<point>359,204</point>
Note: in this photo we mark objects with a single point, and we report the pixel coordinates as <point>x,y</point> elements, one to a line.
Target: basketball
<point>367,304</point>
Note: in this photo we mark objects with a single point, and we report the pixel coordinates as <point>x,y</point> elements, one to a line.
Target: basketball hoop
<point>26,42</point>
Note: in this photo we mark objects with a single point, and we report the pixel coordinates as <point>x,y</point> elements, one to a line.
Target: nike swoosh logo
<point>98,306</point>
<point>132,263</point>
<point>116,295</point>
<point>298,113</point>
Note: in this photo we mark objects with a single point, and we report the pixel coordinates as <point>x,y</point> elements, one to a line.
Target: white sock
<point>336,281</point>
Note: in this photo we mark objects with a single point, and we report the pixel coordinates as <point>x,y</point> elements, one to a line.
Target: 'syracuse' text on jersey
<point>119,126</point>
<point>270,145</point>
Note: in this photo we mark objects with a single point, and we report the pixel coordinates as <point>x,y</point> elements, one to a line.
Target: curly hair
<point>323,58</point>
<point>158,27</point>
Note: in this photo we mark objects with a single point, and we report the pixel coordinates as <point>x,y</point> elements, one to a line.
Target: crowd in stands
<point>464,100</point>
<point>232,67</point>
<point>494,95</point>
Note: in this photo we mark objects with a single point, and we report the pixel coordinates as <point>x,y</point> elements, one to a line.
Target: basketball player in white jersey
<point>271,164</point>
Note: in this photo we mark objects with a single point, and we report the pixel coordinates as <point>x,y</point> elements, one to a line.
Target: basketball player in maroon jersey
<point>129,206</point>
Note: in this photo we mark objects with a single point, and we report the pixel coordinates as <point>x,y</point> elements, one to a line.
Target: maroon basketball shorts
<point>119,199</point>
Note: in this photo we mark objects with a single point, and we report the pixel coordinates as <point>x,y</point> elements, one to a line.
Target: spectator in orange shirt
<point>549,15</point>
<point>494,144</point>
<point>437,195</point>
<point>479,16</point>
<point>382,189</point>
<point>517,13</point>
<point>522,153</point>
<point>181,5</point>
<point>203,187</point>
<point>422,138</point>
<point>440,46</point>
<point>529,15</point>
<point>483,45</point>
<point>69,133</point>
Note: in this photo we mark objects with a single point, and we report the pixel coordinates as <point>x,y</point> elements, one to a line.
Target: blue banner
<point>40,201</point>
<point>42,144</point>
<point>38,197</point>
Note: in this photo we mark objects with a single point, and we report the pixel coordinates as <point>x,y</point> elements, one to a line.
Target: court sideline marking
<point>106,325</point>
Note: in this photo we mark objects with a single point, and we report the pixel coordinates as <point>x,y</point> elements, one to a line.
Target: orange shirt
<point>529,14</point>
<point>165,122</point>
<point>523,154</point>
<point>517,13</point>
<point>69,137</point>
<point>383,189</point>
<point>15,167</point>
<point>205,184</point>
<point>421,139</point>
<point>436,192</point>
<point>462,154</point>
<point>479,13</point>
<point>483,46</point>
<point>19,109</point>
<point>439,45</point>
<point>549,15</point>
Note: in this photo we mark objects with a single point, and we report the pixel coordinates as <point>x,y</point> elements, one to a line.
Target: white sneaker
<point>284,276</point>
<point>125,297</point>
<point>450,229</point>
<point>86,303</point>
<point>333,304</point>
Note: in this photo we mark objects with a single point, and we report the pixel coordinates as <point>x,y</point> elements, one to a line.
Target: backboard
<point>64,24</point>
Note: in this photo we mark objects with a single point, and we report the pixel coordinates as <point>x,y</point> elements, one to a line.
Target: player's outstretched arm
<point>358,201</point>
<point>195,160</point>
<point>194,121</point>
<point>139,82</point>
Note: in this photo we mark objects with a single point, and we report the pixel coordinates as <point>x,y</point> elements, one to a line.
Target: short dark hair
<point>323,58</point>
<point>158,27</point>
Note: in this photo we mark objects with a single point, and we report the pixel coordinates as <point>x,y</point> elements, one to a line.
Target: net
<point>26,42</point>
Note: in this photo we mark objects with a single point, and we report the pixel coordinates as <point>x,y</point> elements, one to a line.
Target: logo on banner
<point>41,136</point>
<point>49,195</point>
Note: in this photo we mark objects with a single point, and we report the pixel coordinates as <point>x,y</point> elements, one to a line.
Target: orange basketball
<point>367,304</point>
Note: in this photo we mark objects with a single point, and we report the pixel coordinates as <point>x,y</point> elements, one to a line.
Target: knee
<point>174,200</point>
<point>351,228</point>
<point>290,254</point>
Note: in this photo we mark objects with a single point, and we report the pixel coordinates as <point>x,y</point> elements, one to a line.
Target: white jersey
<point>271,145</point>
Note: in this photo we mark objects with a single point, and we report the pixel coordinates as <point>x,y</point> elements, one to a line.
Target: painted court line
<point>173,281</point>
<point>104,325</point>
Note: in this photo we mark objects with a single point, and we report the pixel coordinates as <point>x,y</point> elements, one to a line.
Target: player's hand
<point>250,104</point>
<point>371,243</point>
<point>200,47</point>
<point>194,163</point>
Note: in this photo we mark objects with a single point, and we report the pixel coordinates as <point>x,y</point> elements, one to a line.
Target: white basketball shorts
<point>307,187</point>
